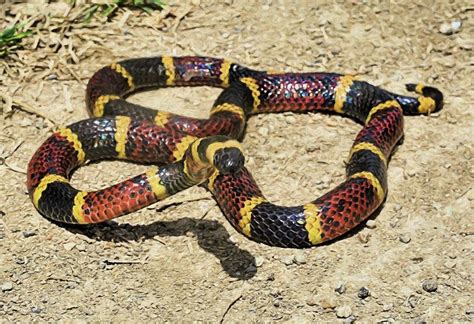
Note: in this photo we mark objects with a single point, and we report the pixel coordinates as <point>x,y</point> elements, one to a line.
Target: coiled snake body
<point>193,151</point>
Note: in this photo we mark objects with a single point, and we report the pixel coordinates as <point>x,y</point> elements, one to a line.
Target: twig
<point>75,75</point>
<point>30,110</point>
<point>64,279</point>
<point>235,300</point>
<point>14,168</point>
<point>123,261</point>
<point>197,27</point>
<point>179,202</point>
<point>208,210</point>
<point>180,17</point>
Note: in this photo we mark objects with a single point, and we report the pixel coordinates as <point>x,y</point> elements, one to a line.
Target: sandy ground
<point>180,260</point>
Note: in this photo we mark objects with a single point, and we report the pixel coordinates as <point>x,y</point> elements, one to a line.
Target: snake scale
<point>188,151</point>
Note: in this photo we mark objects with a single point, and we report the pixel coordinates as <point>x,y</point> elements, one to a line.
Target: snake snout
<point>229,160</point>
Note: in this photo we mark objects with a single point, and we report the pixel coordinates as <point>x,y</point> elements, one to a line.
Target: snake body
<point>190,151</point>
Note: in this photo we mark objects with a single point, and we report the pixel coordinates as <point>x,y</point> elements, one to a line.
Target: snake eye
<point>229,160</point>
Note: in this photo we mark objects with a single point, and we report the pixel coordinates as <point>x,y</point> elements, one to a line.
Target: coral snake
<point>189,151</point>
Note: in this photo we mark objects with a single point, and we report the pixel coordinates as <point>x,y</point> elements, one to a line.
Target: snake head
<point>228,160</point>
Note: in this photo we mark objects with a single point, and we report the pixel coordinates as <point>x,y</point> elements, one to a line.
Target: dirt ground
<point>179,260</point>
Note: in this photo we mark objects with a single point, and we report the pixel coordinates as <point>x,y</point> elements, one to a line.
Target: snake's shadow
<point>211,236</point>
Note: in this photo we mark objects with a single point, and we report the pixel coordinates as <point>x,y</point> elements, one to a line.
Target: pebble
<point>387,307</point>
<point>7,286</point>
<point>344,311</point>
<point>350,319</point>
<point>69,246</point>
<point>420,321</point>
<point>450,264</point>
<point>287,259</point>
<point>36,310</point>
<point>450,28</point>
<point>233,239</point>
<point>404,238</point>
<point>259,261</point>
<point>29,233</point>
<point>412,301</point>
<point>429,285</point>
<point>52,76</point>
<point>81,247</point>
<point>300,258</point>
<point>328,302</point>
<point>397,207</point>
<point>311,147</point>
<point>363,293</point>
<point>363,237</point>
<point>340,288</point>
<point>25,122</point>
<point>470,312</point>
<point>371,224</point>
<point>312,301</point>
<point>263,131</point>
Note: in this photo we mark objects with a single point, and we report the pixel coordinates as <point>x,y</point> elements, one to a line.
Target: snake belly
<point>186,149</point>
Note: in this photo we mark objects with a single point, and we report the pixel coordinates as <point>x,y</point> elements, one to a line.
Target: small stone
<point>287,260</point>
<point>340,288</point>
<point>81,247</point>
<point>29,233</point>
<point>371,224</point>
<point>69,246</point>
<point>263,131</point>
<point>36,310</point>
<point>311,147</point>
<point>470,312</point>
<point>404,238</point>
<point>233,239</point>
<point>195,2</point>
<point>25,122</point>
<point>7,286</point>
<point>387,307</point>
<point>412,301</point>
<point>300,258</point>
<point>450,28</point>
<point>420,321</point>
<point>351,319</point>
<point>363,237</point>
<point>259,261</point>
<point>275,292</point>
<point>52,76</point>
<point>363,293</point>
<point>344,311</point>
<point>312,301</point>
<point>429,285</point>
<point>450,264</point>
<point>328,302</point>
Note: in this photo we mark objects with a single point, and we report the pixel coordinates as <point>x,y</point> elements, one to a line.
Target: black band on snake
<point>189,151</point>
